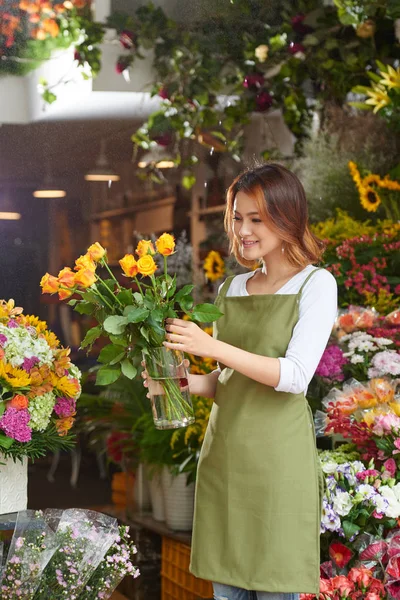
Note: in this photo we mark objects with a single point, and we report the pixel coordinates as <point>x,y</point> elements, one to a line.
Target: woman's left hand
<point>189,337</point>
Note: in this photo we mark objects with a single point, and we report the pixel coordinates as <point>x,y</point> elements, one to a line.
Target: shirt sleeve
<point>317,314</point>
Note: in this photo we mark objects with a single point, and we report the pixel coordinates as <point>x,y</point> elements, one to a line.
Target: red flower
<point>294,48</point>
<point>325,586</point>
<point>163,93</point>
<point>393,568</point>
<point>394,589</point>
<point>164,139</point>
<point>374,551</point>
<point>340,554</point>
<point>263,101</point>
<point>372,596</point>
<point>343,585</point>
<point>127,39</point>
<point>116,444</point>
<point>254,81</point>
<point>124,62</point>
<point>361,576</point>
<point>298,26</point>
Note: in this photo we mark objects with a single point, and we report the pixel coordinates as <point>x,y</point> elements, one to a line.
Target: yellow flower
<point>129,265</point>
<point>66,278</point>
<point>369,199</point>
<point>366,29</point>
<point>146,265</point>
<point>377,97</point>
<point>8,309</point>
<point>369,179</point>
<point>395,406</point>
<point>165,244</point>
<point>68,386</point>
<point>14,377</point>
<point>354,172</point>
<point>96,251</point>
<point>145,247</point>
<point>389,184</point>
<point>51,339</point>
<point>49,284</point>
<point>32,321</point>
<point>214,266</point>
<point>261,53</point>
<point>392,78</point>
<point>64,425</point>
<point>84,278</point>
<point>85,262</point>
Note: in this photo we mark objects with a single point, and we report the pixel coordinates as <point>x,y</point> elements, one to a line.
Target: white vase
<point>157,496</point>
<point>13,485</point>
<point>179,501</point>
<point>141,490</point>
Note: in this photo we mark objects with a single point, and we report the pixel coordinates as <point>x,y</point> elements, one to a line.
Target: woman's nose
<point>245,229</point>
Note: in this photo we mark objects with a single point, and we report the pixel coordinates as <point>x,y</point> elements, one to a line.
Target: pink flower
<point>294,48</point>
<point>331,363</point>
<point>254,81</point>
<point>263,101</point>
<point>15,424</point>
<point>390,466</point>
<point>361,576</point>
<point>367,473</point>
<point>385,423</point>
<point>65,407</point>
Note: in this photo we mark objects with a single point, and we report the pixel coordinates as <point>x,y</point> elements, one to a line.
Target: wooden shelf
<point>209,210</point>
<point>130,210</point>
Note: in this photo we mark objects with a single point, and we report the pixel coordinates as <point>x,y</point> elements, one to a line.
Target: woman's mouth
<point>248,244</point>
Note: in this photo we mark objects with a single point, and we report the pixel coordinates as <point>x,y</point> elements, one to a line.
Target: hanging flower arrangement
<point>214,266</point>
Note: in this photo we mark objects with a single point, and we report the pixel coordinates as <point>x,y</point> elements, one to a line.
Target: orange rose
<point>129,265</point>
<point>64,294</point>
<point>85,278</point>
<point>85,262</point>
<point>64,425</point>
<point>145,247</point>
<point>49,284</point>
<point>96,251</point>
<point>19,401</point>
<point>165,244</point>
<point>66,277</point>
<point>146,265</point>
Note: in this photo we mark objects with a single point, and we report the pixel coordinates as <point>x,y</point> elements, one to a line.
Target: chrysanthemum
<point>14,377</point>
<point>378,97</point>
<point>214,266</point>
<point>369,199</point>
<point>391,79</point>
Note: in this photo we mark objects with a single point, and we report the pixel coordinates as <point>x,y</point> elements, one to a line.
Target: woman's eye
<point>256,220</point>
<point>236,218</point>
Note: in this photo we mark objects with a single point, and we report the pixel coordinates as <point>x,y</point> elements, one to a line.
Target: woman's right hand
<point>155,388</point>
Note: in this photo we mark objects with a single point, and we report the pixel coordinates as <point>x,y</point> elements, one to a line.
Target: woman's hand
<point>188,337</point>
<point>155,388</point>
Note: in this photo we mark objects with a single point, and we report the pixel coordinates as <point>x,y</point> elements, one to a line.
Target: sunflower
<point>14,377</point>
<point>389,184</point>
<point>378,97</point>
<point>51,339</point>
<point>214,266</point>
<point>392,78</point>
<point>369,199</point>
<point>370,179</point>
<point>32,321</point>
<point>68,386</point>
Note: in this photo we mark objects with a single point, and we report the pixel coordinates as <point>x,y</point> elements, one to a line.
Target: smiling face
<point>255,238</point>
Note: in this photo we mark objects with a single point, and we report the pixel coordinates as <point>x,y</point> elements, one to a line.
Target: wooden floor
<point>118,596</point>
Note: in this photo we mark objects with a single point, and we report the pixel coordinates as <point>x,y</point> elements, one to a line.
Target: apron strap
<point>306,280</point>
<point>225,286</point>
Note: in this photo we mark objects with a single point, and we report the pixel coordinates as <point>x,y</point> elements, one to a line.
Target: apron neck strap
<point>225,286</point>
<point>306,280</point>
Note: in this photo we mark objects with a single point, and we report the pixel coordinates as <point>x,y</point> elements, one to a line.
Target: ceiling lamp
<point>157,157</point>
<point>7,207</point>
<point>9,216</point>
<point>49,189</point>
<point>102,171</point>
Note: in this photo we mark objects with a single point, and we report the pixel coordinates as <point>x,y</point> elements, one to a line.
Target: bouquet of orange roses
<point>134,321</point>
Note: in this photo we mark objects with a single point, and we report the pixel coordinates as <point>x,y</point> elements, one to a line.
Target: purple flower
<point>331,363</point>
<point>65,407</point>
<point>3,339</point>
<point>15,424</point>
<point>29,363</point>
<point>12,324</point>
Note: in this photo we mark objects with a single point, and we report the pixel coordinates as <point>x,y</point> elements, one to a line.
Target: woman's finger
<point>178,322</point>
<point>186,363</point>
<point>175,338</point>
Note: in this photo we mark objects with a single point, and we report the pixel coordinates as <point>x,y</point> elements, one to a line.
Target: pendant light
<point>102,171</point>
<point>157,157</point>
<point>49,189</point>
<point>7,210</point>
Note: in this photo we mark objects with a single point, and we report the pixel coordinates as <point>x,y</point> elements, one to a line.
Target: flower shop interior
<point>122,124</point>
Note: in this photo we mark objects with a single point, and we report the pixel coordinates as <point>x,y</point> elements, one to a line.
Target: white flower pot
<point>179,501</point>
<point>13,485</point>
<point>141,490</point>
<point>157,496</point>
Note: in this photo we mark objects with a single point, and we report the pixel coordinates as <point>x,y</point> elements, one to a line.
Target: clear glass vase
<point>168,388</point>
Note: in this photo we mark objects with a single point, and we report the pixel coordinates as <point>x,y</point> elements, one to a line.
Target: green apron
<point>259,485</point>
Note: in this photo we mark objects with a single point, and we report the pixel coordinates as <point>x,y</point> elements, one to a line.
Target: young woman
<point>258,491</point>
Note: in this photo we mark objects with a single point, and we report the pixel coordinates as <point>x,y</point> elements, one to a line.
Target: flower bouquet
<point>75,554</point>
<point>39,386</point>
<point>133,320</point>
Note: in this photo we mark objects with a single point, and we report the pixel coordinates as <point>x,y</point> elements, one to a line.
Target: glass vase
<point>168,388</point>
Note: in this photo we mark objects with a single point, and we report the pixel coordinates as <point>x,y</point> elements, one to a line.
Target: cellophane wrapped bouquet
<point>75,554</point>
<point>39,386</point>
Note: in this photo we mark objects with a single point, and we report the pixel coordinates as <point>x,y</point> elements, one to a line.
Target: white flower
<point>261,52</point>
<point>357,358</point>
<point>22,343</point>
<point>365,491</point>
<point>383,341</point>
<point>383,363</point>
<point>342,503</point>
<point>329,466</point>
<point>381,504</point>
<point>390,494</point>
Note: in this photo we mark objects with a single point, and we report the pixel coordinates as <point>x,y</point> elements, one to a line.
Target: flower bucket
<point>142,498</point>
<point>157,496</point>
<point>168,389</point>
<point>179,501</point>
<point>13,485</point>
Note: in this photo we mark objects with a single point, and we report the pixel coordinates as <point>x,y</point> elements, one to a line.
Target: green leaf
<point>350,528</point>
<point>107,375</point>
<point>109,353</point>
<point>136,315</point>
<point>115,324</point>
<point>5,442</point>
<point>186,303</point>
<point>85,308</point>
<point>49,97</point>
<point>72,302</point>
<point>119,340</point>
<point>138,298</point>
<point>145,333</point>
<point>185,291</point>
<point>188,181</point>
<point>2,408</point>
<point>91,336</point>
<point>360,105</point>
<point>128,369</point>
<point>126,297</point>
<point>206,313</point>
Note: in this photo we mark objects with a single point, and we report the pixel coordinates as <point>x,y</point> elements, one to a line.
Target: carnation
<point>331,363</point>
<point>384,363</point>
<point>14,423</point>
<point>65,407</point>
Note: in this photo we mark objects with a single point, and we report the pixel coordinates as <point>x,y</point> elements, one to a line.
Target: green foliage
<point>42,443</point>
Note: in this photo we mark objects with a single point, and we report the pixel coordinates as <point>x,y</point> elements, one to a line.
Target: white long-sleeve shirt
<point>317,314</point>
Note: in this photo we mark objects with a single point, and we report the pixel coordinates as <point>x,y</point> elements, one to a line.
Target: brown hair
<point>282,204</point>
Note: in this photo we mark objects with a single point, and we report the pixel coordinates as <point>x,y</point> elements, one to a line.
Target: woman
<point>258,491</point>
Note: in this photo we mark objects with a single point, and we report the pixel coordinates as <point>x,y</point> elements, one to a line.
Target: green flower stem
<point>111,292</point>
<point>105,264</point>
<point>96,291</point>
<point>139,286</point>
<point>165,269</point>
